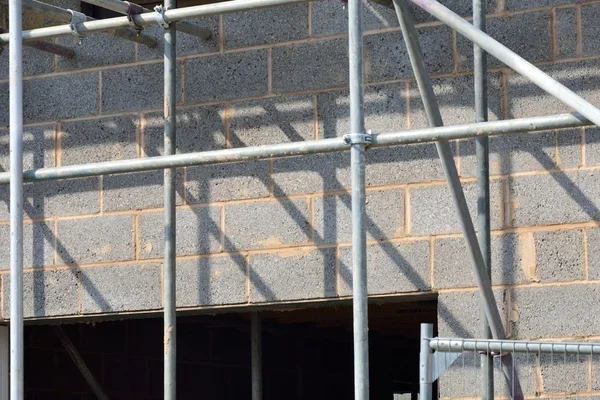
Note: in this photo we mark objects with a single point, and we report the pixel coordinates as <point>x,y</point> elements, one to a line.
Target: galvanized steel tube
<point>63,15</point>
<point>482,151</point>
<point>359,235</point>
<point>510,58</point>
<point>300,148</point>
<point>513,346</point>
<point>80,364</point>
<point>256,355</point>
<point>61,51</point>
<point>447,158</point>
<point>425,363</point>
<point>121,7</point>
<point>150,18</point>
<point>435,119</point>
<point>16,198</point>
<point>169,270</point>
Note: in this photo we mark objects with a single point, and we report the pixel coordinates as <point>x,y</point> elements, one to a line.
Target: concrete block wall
<point>278,230</point>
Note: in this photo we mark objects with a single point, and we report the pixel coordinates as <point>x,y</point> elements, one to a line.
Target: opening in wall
<point>307,354</point>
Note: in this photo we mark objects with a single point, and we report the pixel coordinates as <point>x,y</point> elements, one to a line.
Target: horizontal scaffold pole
<point>176,14</point>
<point>126,8</point>
<point>513,346</point>
<point>48,47</point>
<point>63,15</point>
<point>301,148</point>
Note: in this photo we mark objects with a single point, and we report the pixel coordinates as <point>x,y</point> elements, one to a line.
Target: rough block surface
<point>393,268</point>
<point>433,210</point>
<point>211,281</point>
<point>198,129</point>
<point>45,293</point>
<point>566,31</point>
<point>386,57</point>
<point>98,239</point>
<point>118,288</point>
<point>144,97</point>
<point>316,65</point>
<point>137,191</point>
<point>559,255</point>
<point>385,216</point>
<point>60,97</point>
<point>559,197</point>
<point>269,25</point>
<point>453,268</point>
<point>289,223</point>
<point>198,232</point>
<point>271,121</point>
<point>51,198</point>
<point>38,245</point>
<point>99,140</point>
<point>292,275</point>
<point>219,182</point>
<point>38,147</point>
<point>554,311</point>
<point>227,76</point>
<point>532,42</point>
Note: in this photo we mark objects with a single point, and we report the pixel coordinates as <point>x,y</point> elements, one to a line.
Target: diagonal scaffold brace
<point>434,118</point>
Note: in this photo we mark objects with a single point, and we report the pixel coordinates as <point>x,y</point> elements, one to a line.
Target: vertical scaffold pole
<point>169,271</point>
<point>483,189</point>
<point>15,49</point>
<point>358,141</point>
<point>256,355</point>
<point>4,362</point>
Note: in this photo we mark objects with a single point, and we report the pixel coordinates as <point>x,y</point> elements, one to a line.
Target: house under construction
<point>266,199</point>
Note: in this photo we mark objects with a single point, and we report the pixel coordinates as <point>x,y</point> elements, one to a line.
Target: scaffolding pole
<point>300,148</point>
<point>511,59</point>
<point>497,347</point>
<point>425,364</point>
<point>127,8</point>
<point>15,49</point>
<point>482,151</point>
<point>63,15</point>
<point>358,140</point>
<point>80,364</point>
<point>144,19</point>
<point>434,118</point>
<point>61,51</point>
<point>169,270</point>
<point>4,362</point>
<point>256,355</point>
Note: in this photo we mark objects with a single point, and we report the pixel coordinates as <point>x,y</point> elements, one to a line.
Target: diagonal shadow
<point>39,297</point>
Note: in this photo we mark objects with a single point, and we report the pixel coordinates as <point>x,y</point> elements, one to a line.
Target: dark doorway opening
<point>307,354</point>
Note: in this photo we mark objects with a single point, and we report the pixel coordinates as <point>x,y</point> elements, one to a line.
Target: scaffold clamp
<point>160,16</point>
<point>77,18</point>
<point>359,138</point>
<point>133,10</point>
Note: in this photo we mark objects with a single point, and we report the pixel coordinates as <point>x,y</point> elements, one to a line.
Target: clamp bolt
<point>359,138</point>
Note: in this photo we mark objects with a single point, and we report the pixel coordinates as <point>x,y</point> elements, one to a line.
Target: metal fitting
<point>359,138</point>
<point>160,16</point>
<point>77,18</point>
<point>133,10</point>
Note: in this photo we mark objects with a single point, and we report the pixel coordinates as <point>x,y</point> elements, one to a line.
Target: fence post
<point>425,370</point>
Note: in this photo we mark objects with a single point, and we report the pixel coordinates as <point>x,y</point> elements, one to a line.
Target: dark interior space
<point>307,354</point>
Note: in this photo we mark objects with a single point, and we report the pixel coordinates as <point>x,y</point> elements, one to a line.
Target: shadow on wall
<point>297,202</point>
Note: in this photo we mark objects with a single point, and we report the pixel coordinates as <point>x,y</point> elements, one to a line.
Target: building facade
<point>276,233</point>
